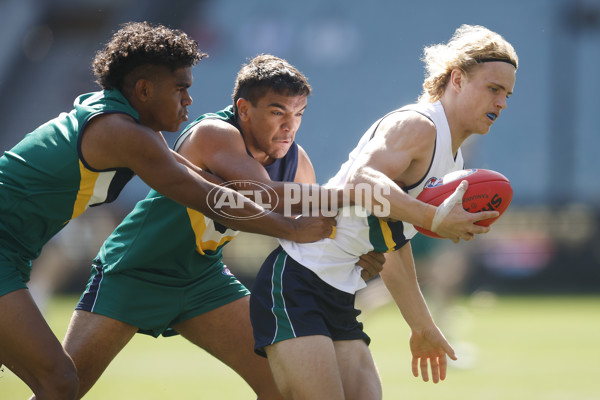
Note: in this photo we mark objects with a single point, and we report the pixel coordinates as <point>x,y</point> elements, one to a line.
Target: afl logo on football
<point>433,182</point>
<point>223,201</point>
<point>449,177</point>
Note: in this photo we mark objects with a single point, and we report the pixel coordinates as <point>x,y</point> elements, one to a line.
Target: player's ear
<point>143,89</point>
<point>242,106</point>
<point>456,79</point>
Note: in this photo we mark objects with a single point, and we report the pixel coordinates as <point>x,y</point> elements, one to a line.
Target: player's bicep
<point>396,145</point>
<point>389,157</point>
<point>117,141</point>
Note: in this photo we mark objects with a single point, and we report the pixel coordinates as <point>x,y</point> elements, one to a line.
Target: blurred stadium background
<point>363,60</point>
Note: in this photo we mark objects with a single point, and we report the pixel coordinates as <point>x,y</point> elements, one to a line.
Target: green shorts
<point>155,306</point>
<point>14,272</point>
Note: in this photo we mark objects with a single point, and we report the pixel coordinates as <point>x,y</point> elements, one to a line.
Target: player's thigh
<point>28,347</point>
<point>93,341</point>
<point>306,368</point>
<point>357,368</point>
<point>226,333</point>
<point>219,329</point>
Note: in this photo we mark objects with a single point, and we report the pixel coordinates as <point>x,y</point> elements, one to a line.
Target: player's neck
<point>458,130</point>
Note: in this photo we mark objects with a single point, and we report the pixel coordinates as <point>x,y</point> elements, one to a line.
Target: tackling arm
<point>218,147</point>
<point>115,140</point>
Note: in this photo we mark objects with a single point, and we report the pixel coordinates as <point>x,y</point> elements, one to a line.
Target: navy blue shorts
<point>289,300</point>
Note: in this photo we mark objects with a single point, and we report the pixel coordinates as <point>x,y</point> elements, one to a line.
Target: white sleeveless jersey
<point>357,232</point>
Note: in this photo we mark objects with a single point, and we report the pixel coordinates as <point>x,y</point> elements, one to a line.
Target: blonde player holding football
<point>302,303</point>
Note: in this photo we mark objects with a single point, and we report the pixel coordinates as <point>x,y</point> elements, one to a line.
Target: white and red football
<point>488,191</point>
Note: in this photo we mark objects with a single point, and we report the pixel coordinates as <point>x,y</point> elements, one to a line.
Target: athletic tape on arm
<point>444,209</point>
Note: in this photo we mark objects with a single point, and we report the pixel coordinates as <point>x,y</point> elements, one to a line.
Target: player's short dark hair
<point>140,43</point>
<point>267,72</point>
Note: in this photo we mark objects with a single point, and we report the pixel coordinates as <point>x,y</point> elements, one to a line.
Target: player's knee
<point>365,383</point>
<point>60,383</point>
<point>369,389</point>
<point>69,383</point>
<point>271,393</point>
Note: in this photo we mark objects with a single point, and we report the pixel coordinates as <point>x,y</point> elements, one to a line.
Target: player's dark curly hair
<point>140,43</point>
<point>267,72</point>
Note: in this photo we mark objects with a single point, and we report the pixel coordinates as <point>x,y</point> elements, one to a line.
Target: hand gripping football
<point>488,191</point>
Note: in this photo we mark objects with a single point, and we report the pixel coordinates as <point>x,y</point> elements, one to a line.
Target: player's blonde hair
<point>469,46</point>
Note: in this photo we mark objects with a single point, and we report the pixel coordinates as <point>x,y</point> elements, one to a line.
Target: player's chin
<point>174,127</point>
<point>280,151</point>
<point>483,130</point>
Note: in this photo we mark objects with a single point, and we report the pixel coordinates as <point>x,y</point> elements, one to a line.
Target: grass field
<point>544,348</point>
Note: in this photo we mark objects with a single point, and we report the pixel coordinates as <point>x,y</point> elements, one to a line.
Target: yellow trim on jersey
<point>387,235</point>
<point>86,189</point>
<point>198,223</point>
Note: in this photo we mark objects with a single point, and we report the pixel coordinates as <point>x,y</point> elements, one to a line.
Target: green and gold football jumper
<point>45,181</point>
<point>163,264</point>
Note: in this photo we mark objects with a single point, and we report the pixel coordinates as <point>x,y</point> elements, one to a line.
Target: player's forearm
<point>401,280</point>
<point>235,211</point>
<point>411,304</point>
<point>254,219</point>
<point>299,198</point>
<point>403,207</point>
<point>193,188</point>
<point>385,199</point>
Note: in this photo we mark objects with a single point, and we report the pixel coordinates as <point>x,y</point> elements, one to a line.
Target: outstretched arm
<point>219,147</point>
<point>115,140</point>
<point>428,345</point>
